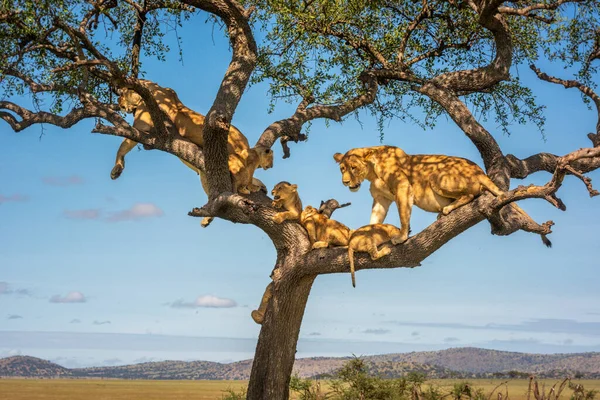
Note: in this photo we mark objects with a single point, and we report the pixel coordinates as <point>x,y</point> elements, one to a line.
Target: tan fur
<point>367,239</point>
<point>435,183</point>
<point>190,125</point>
<point>285,196</point>
<point>258,315</point>
<point>259,156</point>
<point>322,231</point>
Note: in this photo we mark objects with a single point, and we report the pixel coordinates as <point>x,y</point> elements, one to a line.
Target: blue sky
<point>95,271</point>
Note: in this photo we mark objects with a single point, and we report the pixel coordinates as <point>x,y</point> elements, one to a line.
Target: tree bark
<point>276,349</point>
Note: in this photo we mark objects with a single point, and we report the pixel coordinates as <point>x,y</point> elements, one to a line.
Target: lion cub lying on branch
<point>285,196</point>
<point>323,231</point>
<point>367,239</point>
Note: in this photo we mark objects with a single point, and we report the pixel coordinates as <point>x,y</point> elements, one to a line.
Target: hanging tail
<point>351,258</point>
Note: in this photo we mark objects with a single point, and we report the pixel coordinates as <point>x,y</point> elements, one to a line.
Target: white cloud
<point>136,212</point>
<point>75,321</point>
<point>5,288</point>
<point>101,322</point>
<point>63,180</point>
<point>15,316</point>
<point>71,297</point>
<point>207,301</point>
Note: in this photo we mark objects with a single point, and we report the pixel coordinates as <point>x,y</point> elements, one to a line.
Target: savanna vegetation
<point>456,58</point>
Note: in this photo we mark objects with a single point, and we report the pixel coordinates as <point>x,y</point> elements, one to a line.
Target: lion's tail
<point>489,185</point>
<point>351,258</point>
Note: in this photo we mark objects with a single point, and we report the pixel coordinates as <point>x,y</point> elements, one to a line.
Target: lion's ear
<point>338,157</point>
<point>294,187</point>
<point>369,156</point>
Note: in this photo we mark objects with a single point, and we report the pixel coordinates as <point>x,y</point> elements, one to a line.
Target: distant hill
<point>474,360</point>
<point>31,367</point>
<point>451,363</point>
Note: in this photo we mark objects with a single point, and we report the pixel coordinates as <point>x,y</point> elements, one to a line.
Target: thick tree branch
<point>136,46</point>
<point>291,127</point>
<point>483,78</point>
<point>29,118</point>
<point>218,118</point>
<point>489,149</point>
<point>529,10</point>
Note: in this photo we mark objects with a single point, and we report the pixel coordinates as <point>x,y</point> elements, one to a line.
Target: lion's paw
<point>243,190</point>
<point>116,171</point>
<point>206,221</point>
<point>399,239</point>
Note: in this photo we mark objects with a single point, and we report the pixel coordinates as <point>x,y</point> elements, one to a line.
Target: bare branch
<point>547,162</point>
<point>292,126</point>
<point>529,10</point>
<point>586,90</point>
<point>29,118</point>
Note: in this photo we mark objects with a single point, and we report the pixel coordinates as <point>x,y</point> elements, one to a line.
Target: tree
<point>391,57</point>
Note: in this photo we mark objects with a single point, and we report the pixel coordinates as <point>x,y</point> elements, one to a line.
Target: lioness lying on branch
<point>243,160</point>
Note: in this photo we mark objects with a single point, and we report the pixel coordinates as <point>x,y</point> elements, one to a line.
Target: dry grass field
<point>67,389</point>
<point>91,389</point>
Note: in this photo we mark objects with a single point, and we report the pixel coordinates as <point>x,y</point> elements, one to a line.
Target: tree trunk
<point>276,348</point>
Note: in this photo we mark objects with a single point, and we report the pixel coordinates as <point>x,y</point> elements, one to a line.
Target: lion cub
<point>366,239</point>
<point>323,231</point>
<point>285,196</point>
<point>243,171</point>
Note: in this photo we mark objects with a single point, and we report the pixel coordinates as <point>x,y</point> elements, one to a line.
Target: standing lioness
<point>434,183</point>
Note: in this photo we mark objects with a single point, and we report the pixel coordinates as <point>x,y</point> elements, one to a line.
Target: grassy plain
<point>84,389</point>
<point>92,389</point>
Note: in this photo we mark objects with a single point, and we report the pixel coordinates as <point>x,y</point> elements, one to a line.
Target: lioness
<point>366,239</point>
<point>322,231</point>
<point>435,183</point>
<point>188,122</point>
<point>189,125</point>
<point>285,196</point>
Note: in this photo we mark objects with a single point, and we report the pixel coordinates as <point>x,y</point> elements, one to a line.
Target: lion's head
<point>265,155</point>
<point>282,192</point>
<point>354,169</point>
<point>308,212</point>
<point>129,100</point>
